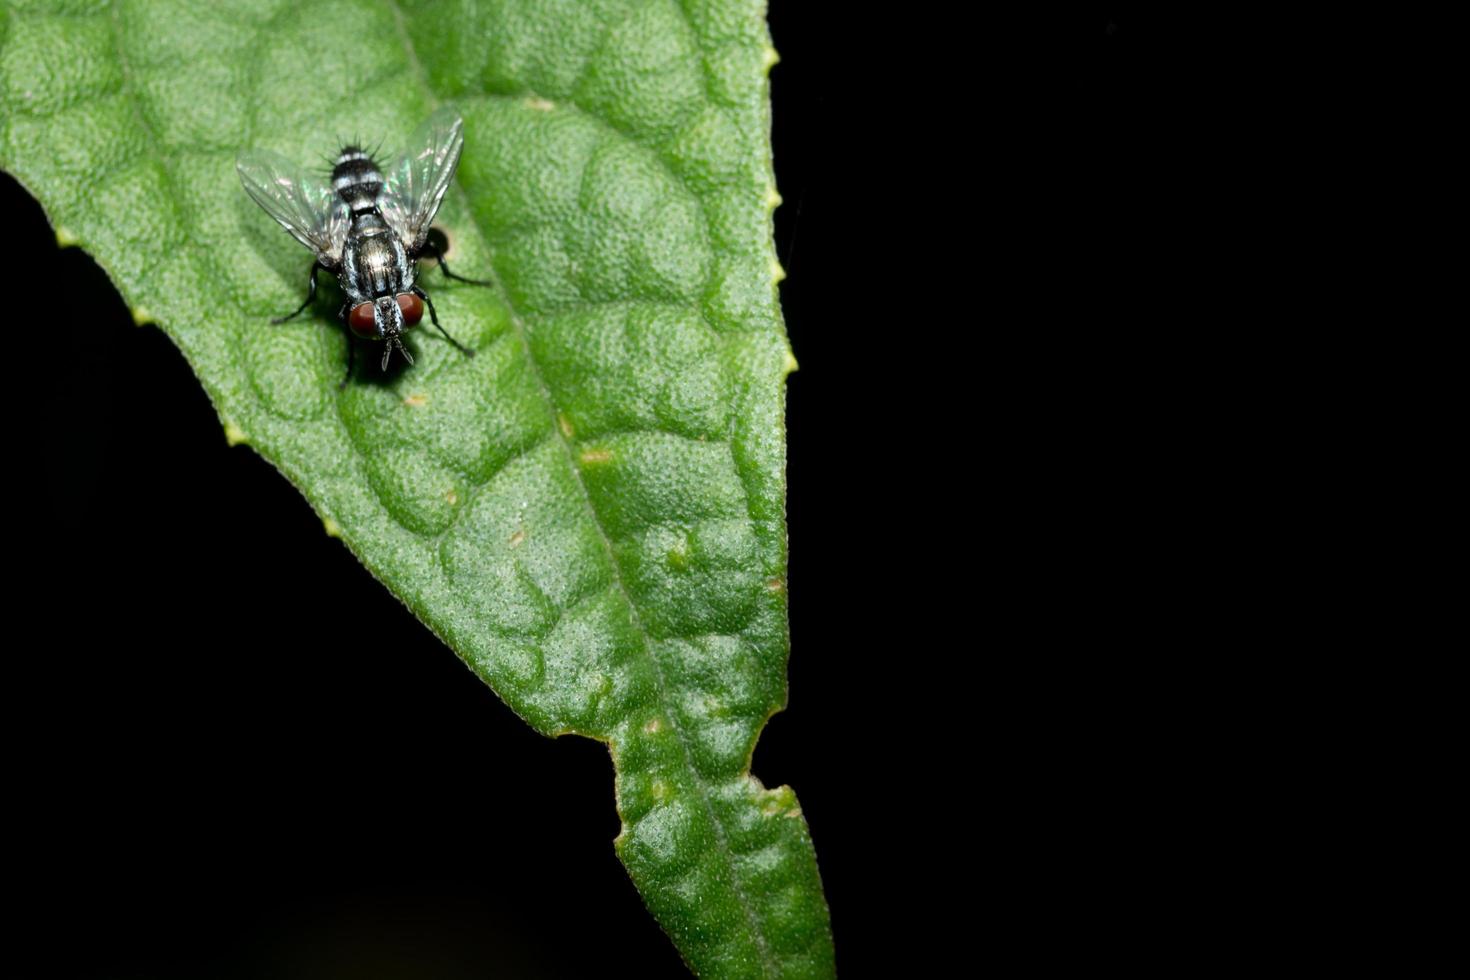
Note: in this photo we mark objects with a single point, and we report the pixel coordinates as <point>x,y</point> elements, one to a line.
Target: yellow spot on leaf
<point>653,726</point>
<point>234,435</point>
<point>452,496</point>
<point>775,585</point>
<point>518,539</point>
<point>566,425</point>
<point>660,790</point>
<point>794,812</point>
<point>540,104</point>
<point>416,401</point>
<point>596,456</point>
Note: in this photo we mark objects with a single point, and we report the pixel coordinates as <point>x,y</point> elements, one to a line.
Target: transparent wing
<point>415,182</point>
<point>304,205</point>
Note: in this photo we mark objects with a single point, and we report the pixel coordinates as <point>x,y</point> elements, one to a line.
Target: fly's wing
<point>414,184</point>
<point>304,205</point>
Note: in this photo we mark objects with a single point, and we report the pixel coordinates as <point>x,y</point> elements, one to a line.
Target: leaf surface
<point>590,511</point>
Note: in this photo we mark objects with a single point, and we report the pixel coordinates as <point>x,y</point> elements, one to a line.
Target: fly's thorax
<point>374,264</point>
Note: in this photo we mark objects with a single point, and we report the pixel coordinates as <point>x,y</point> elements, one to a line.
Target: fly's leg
<point>450,275</point>
<point>435,317</point>
<point>310,294</point>
<point>435,246</point>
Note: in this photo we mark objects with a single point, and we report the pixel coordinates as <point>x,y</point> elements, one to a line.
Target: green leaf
<point>590,512</point>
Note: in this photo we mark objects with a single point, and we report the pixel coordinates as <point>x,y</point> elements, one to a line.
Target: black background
<point>235,755</point>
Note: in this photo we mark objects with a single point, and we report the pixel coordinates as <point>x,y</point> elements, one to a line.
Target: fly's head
<point>386,318</point>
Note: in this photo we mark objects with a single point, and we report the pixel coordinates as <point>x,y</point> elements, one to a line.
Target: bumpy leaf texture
<point>590,512</point>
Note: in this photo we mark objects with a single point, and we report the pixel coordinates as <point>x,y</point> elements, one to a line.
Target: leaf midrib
<point>768,966</point>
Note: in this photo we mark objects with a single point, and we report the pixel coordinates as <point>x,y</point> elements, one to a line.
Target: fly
<point>368,226</point>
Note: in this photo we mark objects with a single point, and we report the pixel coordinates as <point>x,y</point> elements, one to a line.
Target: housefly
<point>368,226</point>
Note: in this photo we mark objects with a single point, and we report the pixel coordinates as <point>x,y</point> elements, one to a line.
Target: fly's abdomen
<point>356,178</point>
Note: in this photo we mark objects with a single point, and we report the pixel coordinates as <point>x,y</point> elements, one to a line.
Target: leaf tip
<point>234,435</point>
<point>141,315</point>
<point>769,57</point>
<point>773,199</point>
<point>790,364</point>
<point>66,238</point>
<point>333,529</point>
<point>778,272</point>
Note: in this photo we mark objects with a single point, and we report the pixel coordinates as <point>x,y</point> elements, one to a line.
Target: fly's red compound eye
<point>361,320</point>
<point>412,307</point>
